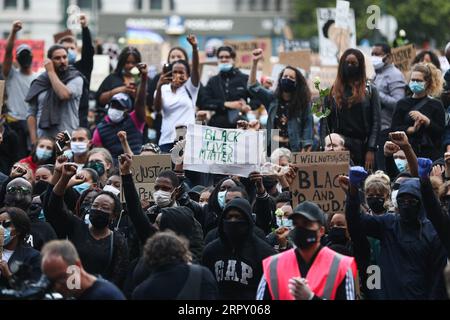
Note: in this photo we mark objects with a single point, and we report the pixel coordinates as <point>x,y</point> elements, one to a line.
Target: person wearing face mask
<point>391,85</point>
<point>355,110</point>
<point>421,116</point>
<point>84,65</point>
<point>235,257</point>
<point>18,82</point>
<point>42,153</point>
<point>15,226</point>
<point>338,238</point>
<point>80,145</point>
<point>226,93</point>
<point>100,160</point>
<point>302,273</point>
<point>43,177</point>
<point>104,251</point>
<point>410,247</point>
<point>289,108</point>
<point>54,96</point>
<point>18,195</point>
<point>120,117</point>
<point>279,238</point>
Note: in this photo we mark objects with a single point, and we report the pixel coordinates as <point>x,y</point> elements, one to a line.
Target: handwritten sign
<point>151,53</point>
<point>2,94</point>
<point>244,50</point>
<point>145,170</point>
<point>37,46</point>
<point>403,57</point>
<point>317,179</point>
<point>342,11</point>
<point>224,151</point>
<point>100,70</point>
<point>298,59</point>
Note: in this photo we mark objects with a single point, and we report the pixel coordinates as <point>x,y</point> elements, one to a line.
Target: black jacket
<point>8,150</point>
<point>237,270</point>
<point>167,282</point>
<point>226,86</point>
<point>371,119</point>
<point>412,258</point>
<point>28,257</point>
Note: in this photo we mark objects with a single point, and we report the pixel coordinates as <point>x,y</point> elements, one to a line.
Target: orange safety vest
<point>324,277</point>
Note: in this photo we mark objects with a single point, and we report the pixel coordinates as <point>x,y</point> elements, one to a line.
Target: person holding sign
<point>355,109</point>
<point>289,108</point>
<point>421,116</point>
<point>176,96</point>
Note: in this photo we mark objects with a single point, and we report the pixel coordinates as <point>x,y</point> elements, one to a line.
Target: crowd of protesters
<point>68,200</point>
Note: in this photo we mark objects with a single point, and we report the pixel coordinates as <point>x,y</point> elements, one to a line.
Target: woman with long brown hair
<point>355,109</point>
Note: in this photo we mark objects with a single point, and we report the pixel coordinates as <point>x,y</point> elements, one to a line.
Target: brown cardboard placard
<point>145,170</point>
<point>317,179</point>
<point>244,50</point>
<point>58,36</point>
<point>403,56</point>
<point>297,59</point>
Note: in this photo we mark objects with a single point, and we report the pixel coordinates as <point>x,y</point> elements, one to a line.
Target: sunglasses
<point>6,224</point>
<point>23,190</point>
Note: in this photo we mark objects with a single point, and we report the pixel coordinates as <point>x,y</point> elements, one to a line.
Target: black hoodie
<point>237,270</point>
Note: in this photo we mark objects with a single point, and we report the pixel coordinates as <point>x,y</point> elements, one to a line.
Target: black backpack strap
<point>191,288</point>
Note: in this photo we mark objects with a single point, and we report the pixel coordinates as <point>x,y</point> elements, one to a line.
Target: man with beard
<point>54,97</point>
<point>18,194</point>
<point>18,83</point>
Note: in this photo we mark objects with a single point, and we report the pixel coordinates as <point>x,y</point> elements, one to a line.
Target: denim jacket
<point>300,132</point>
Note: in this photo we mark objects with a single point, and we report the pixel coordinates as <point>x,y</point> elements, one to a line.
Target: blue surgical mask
<point>225,67</point>
<point>401,164</point>
<point>284,222</point>
<point>82,187</point>
<point>71,56</point>
<point>417,87</point>
<point>251,116</point>
<point>6,236</point>
<point>43,154</point>
<point>41,216</point>
<point>221,198</point>
<point>263,120</point>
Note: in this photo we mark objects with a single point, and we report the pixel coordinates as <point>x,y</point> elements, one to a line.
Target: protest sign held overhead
<point>224,151</point>
<point>403,56</point>
<point>317,179</point>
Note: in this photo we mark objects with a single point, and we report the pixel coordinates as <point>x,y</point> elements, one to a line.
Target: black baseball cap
<point>310,211</point>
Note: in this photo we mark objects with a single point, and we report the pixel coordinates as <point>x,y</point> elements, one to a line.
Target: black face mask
<point>376,204</point>
<point>408,213</point>
<point>97,166</point>
<point>287,85</point>
<point>303,238</point>
<point>351,71</point>
<point>40,187</point>
<point>25,59</point>
<point>98,218</point>
<point>236,231</point>
<point>337,235</point>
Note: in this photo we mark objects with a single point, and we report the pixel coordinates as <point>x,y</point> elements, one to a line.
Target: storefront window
<point>10,4</point>
<point>156,5</point>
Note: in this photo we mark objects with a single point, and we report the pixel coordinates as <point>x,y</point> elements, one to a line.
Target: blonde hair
<point>378,176</point>
<point>381,183</point>
<point>432,77</point>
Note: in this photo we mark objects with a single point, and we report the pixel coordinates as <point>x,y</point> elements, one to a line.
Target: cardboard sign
<point>342,11</point>
<point>327,76</point>
<point>60,35</point>
<point>244,49</point>
<point>150,53</point>
<point>2,94</point>
<point>298,59</point>
<point>334,40</point>
<point>403,56</point>
<point>317,179</point>
<point>145,170</point>
<point>224,151</point>
<point>37,46</point>
<point>100,70</point>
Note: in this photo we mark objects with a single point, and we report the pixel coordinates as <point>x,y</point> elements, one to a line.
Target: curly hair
<point>381,183</point>
<point>165,248</point>
<point>421,56</point>
<point>432,77</point>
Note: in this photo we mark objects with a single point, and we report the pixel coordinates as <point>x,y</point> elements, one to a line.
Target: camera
<point>61,144</point>
<point>167,67</point>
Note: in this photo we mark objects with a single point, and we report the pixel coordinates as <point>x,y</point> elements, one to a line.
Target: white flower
<point>134,71</point>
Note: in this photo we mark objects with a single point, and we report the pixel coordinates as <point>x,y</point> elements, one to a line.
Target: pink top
<point>97,140</point>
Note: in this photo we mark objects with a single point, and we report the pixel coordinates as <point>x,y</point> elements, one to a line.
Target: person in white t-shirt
<point>176,95</point>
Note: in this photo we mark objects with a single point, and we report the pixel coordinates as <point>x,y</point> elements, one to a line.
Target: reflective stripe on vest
<point>324,276</point>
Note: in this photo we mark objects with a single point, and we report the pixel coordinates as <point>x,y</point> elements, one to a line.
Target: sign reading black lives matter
<point>224,151</point>
<point>145,170</point>
<point>317,179</point>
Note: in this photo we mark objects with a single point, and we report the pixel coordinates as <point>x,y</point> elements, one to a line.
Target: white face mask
<point>162,198</point>
<point>79,147</point>
<point>113,190</point>
<point>115,115</point>
<point>377,62</point>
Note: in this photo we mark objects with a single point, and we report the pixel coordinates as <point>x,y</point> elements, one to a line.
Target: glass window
<point>156,5</point>
<point>10,4</point>
<point>26,4</point>
<point>85,4</point>
<point>265,5</point>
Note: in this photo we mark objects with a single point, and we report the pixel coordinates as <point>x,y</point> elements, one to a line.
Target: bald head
<point>18,194</point>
